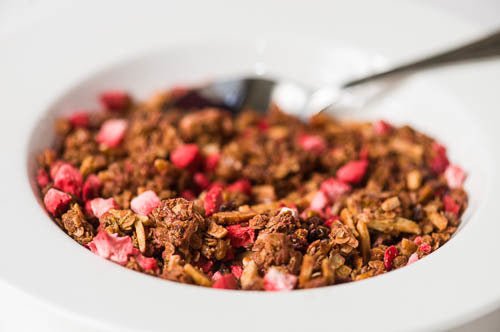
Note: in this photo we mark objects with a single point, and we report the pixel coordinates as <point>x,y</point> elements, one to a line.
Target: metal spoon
<point>258,93</point>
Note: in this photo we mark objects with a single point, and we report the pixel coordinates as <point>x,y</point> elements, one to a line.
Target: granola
<point>192,194</point>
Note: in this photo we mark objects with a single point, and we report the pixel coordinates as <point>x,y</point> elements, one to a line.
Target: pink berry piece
<point>99,206</point>
<point>243,186</point>
<point>185,156</point>
<point>236,270</point>
<point>450,205</point>
<point>240,236</point>
<point>275,280</point>
<point>334,188</point>
<point>91,187</point>
<point>389,255</point>
<point>213,200</point>
<point>115,100</point>
<point>319,201</point>
<point>56,201</point>
<point>312,143</point>
<point>68,179</point>
<point>42,178</point>
<point>217,275</point>
<point>353,171</point>
<point>188,194</point>
<point>211,162</point>
<point>201,180</point>
<point>413,258</point>
<point>205,264</point>
<point>455,176</point>
<point>382,128</point>
<point>331,220</point>
<point>146,263</point>
<point>112,132</point>
<point>112,247</point>
<point>144,203</point>
<point>418,240</point>
<point>425,248</point>
<point>79,119</point>
<point>226,281</point>
<point>440,160</point>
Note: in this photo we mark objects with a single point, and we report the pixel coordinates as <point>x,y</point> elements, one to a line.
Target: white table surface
<point>14,305</point>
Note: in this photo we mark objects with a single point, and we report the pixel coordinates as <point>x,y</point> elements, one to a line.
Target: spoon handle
<point>485,47</point>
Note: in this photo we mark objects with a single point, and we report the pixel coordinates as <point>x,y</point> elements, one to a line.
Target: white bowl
<point>453,285</point>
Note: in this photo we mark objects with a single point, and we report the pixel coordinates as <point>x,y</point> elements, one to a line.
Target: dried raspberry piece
<point>185,156</point>
<point>240,236</point>
<point>91,187</point>
<point>112,132</point>
<point>353,171</point>
<point>319,201</point>
<point>440,161</point>
<point>211,162</point>
<point>205,265</point>
<point>42,178</point>
<point>146,263</point>
<point>243,186</point>
<point>418,240</point>
<point>217,275</point>
<point>263,125</point>
<point>425,248</point>
<point>213,200</point>
<point>334,188</point>
<point>331,220</point>
<point>450,205</point>
<point>68,179</point>
<point>115,100</point>
<point>112,247</point>
<point>201,180</point>
<point>413,258</point>
<point>55,167</point>
<point>381,127</point>
<point>56,201</point>
<point>275,280</point>
<point>188,194</point>
<point>236,270</point>
<point>79,119</point>
<point>312,143</point>
<point>144,203</point>
<point>363,153</point>
<point>226,281</point>
<point>99,206</point>
<point>455,176</point>
<point>389,255</point>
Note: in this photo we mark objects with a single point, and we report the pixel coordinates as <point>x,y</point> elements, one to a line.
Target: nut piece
<point>141,236</point>
<point>216,231</point>
<point>250,278</point>
<point>306,270</point>
<point>413,180</point>
<point>364,236</point>
<point>390,204</point>
<point>438,220</point>
<point>198,277</point>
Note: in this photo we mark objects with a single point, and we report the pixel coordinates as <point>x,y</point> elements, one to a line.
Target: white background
<point>16,13</point>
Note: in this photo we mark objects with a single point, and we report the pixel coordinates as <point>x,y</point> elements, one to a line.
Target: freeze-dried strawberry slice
<point>185,156</point>
<point>312,143</point>
<point>99,206</point>
<point>91,187</point>
<point>319,201</point>
<point>115,100</point>
<point>275,280</point>
<point>211,162</point>
<point>243,186</point>
<point>42,178</point>
<point>240,236</point>
<point>226,281</point>
<point>455,176</point>
<point>418,240</point>
<point>201,180</point>
<point>382,127</point>
<point>440,160</point>
<point>413,258</point>
<point>54,167</point>
<point>146,263</point>
<point>79,119</point>
<point>144,203</point>
<point>56,201</point>
<point>68,179</point>
<point>334,188</point>
<point>236,270</point>
<point>389,255</point>
<point>112,132</point>
<point>217,275</point>
<point>425,248</point>
<point>450,205</point>
<point>112,247</point>
<point>213,200</point>
<point>353,171</point>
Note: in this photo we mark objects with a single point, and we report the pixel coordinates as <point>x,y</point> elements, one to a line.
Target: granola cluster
<point>192,194</point>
